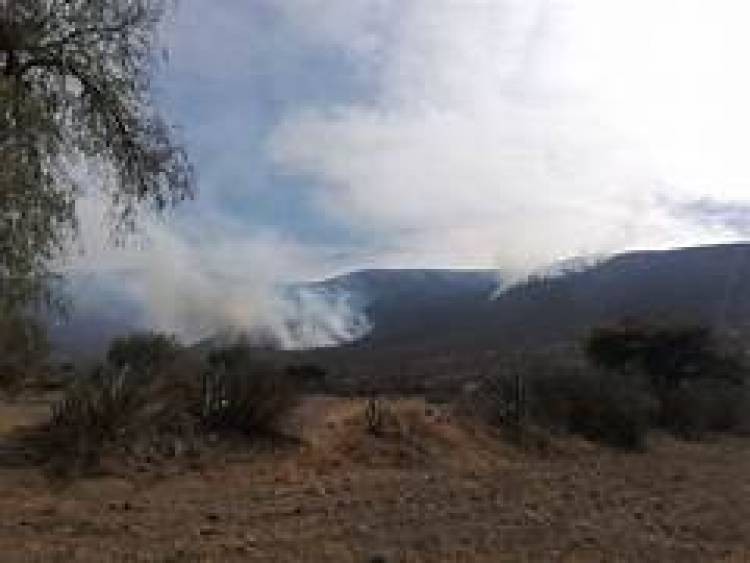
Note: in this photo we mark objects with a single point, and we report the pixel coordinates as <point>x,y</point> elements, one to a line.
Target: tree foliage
<point>667,355</point>
<point>75,94</point>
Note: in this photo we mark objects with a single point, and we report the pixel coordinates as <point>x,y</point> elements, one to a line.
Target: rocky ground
<point>430,487</point>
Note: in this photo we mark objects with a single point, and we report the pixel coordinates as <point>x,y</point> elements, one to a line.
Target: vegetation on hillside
<point>631,379</point>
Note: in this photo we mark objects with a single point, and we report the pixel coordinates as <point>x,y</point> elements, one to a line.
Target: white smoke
<point>513,133</point>
<point>521,132</point>
<point>200,285</point>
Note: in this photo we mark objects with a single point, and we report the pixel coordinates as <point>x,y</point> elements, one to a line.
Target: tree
<point>667,355</point>
<point>143,352</point>
<point>75,93</point>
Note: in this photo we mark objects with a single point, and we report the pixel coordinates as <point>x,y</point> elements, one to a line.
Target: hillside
<point>442,341</point>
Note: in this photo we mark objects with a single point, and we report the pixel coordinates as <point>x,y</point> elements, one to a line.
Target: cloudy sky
<point>334,134</point>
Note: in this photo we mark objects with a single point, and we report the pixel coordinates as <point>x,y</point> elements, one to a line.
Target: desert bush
<point>697,380</point>
<point>695,409</point>
<point>96,410</point>
<point>309,376</point>
<point>667,354</point>
<point>565,396</point>
<point>597,405</point>
<point>143,352</point>
<point>180,400</point>
<point>243,395</point>
<point>24,351</point>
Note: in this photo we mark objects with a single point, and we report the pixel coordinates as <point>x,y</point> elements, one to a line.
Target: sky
<point>330,135</point>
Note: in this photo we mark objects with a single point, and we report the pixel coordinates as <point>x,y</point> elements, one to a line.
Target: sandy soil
<point>431,488</point>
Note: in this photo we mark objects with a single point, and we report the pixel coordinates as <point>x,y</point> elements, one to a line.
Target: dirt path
<point>429,489</point>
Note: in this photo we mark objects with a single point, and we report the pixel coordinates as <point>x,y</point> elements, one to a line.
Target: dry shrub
<point>683,379</point>
<point>95,411</point>
<point>143,351</point>
<point>247,399</point>
<point>539,393</point>
<point>695,409</point>
<point>698,379</point>
<point>597,405</point>
<point>175,404</point>
<point>24,352</point>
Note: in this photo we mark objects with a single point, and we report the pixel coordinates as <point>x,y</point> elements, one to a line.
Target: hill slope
<point>448,339</point>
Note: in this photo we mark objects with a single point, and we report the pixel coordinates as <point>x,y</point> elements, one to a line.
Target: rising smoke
<point>521,132</point>
<point>507,133</point>
<point>201,287</point>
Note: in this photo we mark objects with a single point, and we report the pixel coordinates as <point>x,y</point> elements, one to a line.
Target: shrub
<point>165,403</point>
<point>697,380</point>
<point>240,394</point>
<point>700,407</point>
<point>597,405</point>
<point>96,410</point>
<point>143,352</point>
<point>309,376</point>
<point>567,397</point>
<point>667,355</point>
<point>24,351</point>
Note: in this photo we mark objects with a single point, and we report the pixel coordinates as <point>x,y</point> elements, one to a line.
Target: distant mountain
<point>404,304</point>
<point>459,333</point>
<point>709,284</point>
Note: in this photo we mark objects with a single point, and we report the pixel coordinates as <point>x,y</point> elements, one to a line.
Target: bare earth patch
<point>430,488</point>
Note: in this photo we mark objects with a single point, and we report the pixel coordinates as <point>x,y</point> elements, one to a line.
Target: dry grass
<point>431,488</point>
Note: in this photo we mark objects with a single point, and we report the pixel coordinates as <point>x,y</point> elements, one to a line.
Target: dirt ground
<point>430,488</point>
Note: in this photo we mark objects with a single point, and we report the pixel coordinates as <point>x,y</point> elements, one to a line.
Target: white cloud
<point>525,131</point>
